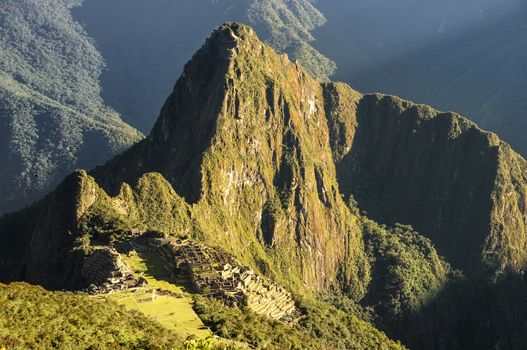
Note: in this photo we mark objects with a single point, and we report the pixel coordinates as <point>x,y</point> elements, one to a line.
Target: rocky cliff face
<point>254,160</point>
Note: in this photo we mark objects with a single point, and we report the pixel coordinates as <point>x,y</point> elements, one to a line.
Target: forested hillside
<point>33,318</point>
<point>53,119</point>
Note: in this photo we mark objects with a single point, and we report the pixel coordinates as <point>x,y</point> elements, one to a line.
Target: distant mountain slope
<point>483,77</point>
<point>467,57</point>
<point>52,116</point>
<point>146,43</point>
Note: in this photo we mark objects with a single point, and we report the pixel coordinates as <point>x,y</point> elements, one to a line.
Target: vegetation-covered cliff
<point>257,163</point>
<point>457,184</point>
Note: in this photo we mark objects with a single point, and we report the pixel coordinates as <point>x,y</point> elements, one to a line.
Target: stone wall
<point>214,273</point>
<point>105,272</point>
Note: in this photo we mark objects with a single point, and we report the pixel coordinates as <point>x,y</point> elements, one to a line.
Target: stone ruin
<point>105,272</point>
<point>216,274</point>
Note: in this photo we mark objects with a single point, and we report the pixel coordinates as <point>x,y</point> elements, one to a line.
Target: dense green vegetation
<point>52,118</point>
<point>407,271</point>
<point>320,327</point>
<point>32,318</point>
<point>44,49</point>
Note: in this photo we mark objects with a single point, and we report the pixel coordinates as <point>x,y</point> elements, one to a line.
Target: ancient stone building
<point>216,274</point>
<point>105,272</point>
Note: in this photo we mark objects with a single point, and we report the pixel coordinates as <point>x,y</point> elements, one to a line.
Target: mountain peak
<point>245,129</point>
<point>214,78</point>
<point>236,30</point>
<point>221,43</point>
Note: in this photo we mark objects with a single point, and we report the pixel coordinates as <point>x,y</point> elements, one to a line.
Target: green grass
<point>152,268</point>
<point>172,312</point>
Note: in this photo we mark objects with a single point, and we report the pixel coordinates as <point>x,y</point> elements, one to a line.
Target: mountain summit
<point>244,138</point>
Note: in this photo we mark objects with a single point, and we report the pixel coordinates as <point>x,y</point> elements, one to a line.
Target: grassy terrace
<point>174,313</point>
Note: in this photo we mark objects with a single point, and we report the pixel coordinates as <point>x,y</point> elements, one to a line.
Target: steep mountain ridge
<point>259,151</point>
<point>460,186</point>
